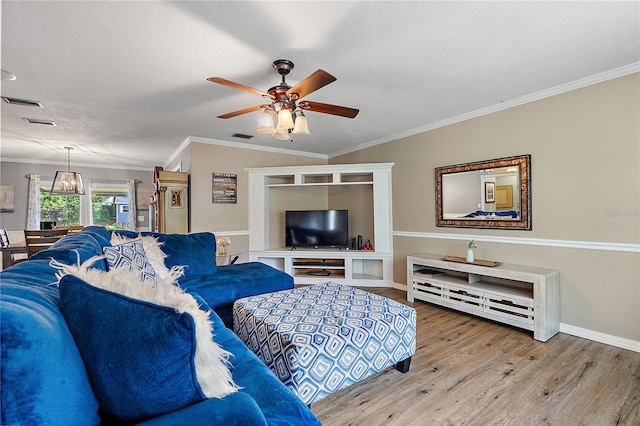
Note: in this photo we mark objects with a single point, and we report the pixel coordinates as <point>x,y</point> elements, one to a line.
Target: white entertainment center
<point>272,190</point>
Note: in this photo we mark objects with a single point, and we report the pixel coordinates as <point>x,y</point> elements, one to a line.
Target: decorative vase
<point>222,251</point>
<point>470,255</point>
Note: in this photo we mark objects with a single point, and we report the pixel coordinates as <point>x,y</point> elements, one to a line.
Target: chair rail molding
<point>585,245</point>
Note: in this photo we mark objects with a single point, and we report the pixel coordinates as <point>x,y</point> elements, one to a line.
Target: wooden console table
<point>522,296</point>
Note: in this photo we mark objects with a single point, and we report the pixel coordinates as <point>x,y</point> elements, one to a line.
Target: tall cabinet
<point>272,190</point>
<point>171,202</point>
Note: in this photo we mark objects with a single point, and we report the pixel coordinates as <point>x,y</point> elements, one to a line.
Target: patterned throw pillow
<point>131,255</point>
<point>148,350</point>
<point>152,248</point>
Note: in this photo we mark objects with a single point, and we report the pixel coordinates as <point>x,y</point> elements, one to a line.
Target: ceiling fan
<point>285,101</point>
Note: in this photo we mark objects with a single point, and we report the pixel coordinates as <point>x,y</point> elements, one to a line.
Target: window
<point>107,201</point>
<point>62,210</point>
<point>109,206</point>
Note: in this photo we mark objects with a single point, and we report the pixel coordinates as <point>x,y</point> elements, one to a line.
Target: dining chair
<point>4,238</point>
<point>40,239</point>
<point>11,253</point>
<point>71,228</point>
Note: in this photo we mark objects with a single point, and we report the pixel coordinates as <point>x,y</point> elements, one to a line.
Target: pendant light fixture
<point>67,182</point>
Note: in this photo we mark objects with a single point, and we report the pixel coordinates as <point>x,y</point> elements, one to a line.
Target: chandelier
<point>67,182</point>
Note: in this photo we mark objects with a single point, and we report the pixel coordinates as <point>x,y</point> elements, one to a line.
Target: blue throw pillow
<point>147,354</point>
<point>196,252</point>
<point>131,255</point>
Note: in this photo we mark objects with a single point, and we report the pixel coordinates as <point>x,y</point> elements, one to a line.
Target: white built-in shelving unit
<point>268,185</point>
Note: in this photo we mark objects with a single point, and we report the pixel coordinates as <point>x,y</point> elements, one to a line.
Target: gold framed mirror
<point>491,194</point>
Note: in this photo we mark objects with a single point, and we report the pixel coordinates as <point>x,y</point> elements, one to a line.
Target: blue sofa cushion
<point>44,380</point>
<point>257,380</point>
<point>73,249</point>
<point>232,282</point>
<point>237,409</point>
<point>235,281</point>
<point>130,255</point>
<point>144,362</point>
<point>100,233</point>
<point>196,252</point>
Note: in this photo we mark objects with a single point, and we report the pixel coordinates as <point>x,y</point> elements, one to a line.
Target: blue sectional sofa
<point>46,381</point>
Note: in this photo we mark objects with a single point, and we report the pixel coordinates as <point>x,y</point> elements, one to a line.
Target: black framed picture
<point>489,192</point>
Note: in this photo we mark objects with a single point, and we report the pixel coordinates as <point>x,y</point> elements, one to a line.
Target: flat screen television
<point>316,228</point>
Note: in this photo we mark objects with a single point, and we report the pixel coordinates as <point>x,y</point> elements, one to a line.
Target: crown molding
<point>74,165</point>
<point>239,145</point>
<point>547,93</point>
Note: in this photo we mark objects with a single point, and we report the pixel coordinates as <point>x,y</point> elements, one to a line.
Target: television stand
<point>522,296</point>
<point>349,267</point>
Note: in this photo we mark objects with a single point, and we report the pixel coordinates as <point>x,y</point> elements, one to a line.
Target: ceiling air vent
<point>39,121</point>
<point>22,102</point>
<point>241,136</point>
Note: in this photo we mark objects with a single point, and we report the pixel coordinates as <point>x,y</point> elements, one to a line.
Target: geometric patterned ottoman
<point>322,338</point>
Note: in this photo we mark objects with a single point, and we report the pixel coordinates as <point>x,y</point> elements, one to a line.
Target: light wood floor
<point>470,371</point>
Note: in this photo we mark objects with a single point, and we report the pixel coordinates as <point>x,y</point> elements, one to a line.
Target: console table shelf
<point>521,296</point>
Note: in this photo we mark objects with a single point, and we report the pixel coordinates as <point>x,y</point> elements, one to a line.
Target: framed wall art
<point>7,198</point>
<point>224,188</point>
<point>489,192</point>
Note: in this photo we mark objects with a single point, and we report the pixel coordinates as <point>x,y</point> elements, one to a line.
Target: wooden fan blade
<point>311,83</point>
<point>329,109</point>
<point>239,86</point>
<point>242,111</point>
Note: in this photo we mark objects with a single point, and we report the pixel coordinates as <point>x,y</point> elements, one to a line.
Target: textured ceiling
<point>126,84</point>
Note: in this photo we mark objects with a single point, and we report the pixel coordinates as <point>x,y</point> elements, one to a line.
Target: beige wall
<point>585,181</point>
<point>14,174</point>
<point>227,219</point>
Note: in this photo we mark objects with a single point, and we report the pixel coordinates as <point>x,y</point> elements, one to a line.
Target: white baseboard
<point>596,336</point>
<point>399,286</point>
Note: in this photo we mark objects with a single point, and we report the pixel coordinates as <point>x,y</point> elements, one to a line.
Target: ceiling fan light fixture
<point>286,102</point>
<point>265,123</point>
<point>301,125</point>
<point>67,182</point>
<point>282,134</point>
<point>285,119</point>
